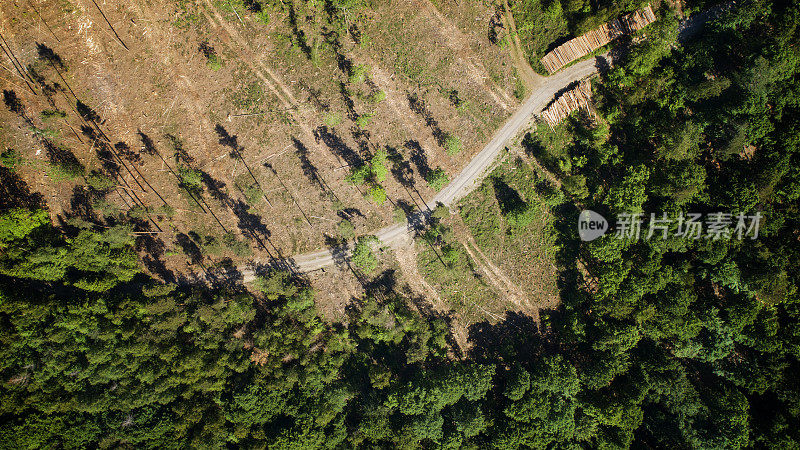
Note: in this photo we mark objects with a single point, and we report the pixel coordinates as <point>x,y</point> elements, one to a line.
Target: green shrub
<point>156,289</point>
<point>332,119</point>
<point>452,145</point>
<point>521,217</point>
<point>575,185</point>
<point>239,247</point>
<point>451,256</point>
<point>398,215</point>
<point>378,165</point>
<point>51,113</point>
<point>44,133</point>
<point>212,59</point>
<point>165,210</point>
<point>66,170</point>
<point>519,88</point>
<point>363,257</point>
<point>377,194</point>
<point>378,97</point>
<point>363,120</point>
<point>11,158</point>
<point>138,212</point>
<point>191,179</point>
<point>261,14</point>
<point>359,175</point>
<point>437,178</point>
<point>253,194</point>
<point>99,181</point>
<point>105,207</point>
<point>346,229</point>
<point>214,62</point>
<point>358,74</point>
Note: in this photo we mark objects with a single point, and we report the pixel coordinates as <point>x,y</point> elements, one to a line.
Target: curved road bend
<point>473,173</point>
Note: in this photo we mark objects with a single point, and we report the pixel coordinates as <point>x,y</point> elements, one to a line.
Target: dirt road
<point>473,173</point>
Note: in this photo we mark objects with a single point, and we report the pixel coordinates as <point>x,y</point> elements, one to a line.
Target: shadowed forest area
<point>643,343</point>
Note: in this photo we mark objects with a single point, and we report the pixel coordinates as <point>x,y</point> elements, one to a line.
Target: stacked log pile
<point>591,41</point>
<point>574,99</point>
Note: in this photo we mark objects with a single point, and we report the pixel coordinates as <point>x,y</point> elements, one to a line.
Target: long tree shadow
<point>418,106</point>
<point>87,113</point>
<point>62,157</point>
<point>148,146</point>
<point>361,136</point>
<point>49,90</point>
<point>47,54</point>
<point>225,275</point>
<point>190,248</point>
<point>154,248</point>
<point>384,283</point>
<point>348,102</point>
<point>285,264</point>
<point>418,157</point>
<point>103,151</point>
<point>342,62</point>
<point>507,197</point>
<point>338,147</point>
<point>231,141</point>
<point>158,268</point>
<point>226,139</point>
<point>125,151</point>
<point>350,213</point>
<point>315,96</point>
<point>300,35</point>
<point>251,225</point>
<point>113,162</point>
<point>495,23</point>
<point>416,218</point>
<point>309,169</point>
<point>401,168</point>
<point>14,191</point>
<point>338,249</point>
<point>216,189</point>
<point>81,203</point>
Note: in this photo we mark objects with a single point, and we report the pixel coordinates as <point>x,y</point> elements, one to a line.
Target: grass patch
<point>186,16</point>
<point>363,120</point>
<point>11,158</point>
<point>446,266</point>
<point>452,145</point>
<point>48,114</point>
<point>519,87</point>
<point>332,119</point>
<point>512,224</point>
<point>248,96</point>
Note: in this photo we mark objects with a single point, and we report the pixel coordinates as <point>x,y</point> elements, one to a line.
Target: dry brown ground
<point>274,100</point>
<point>162,87</point>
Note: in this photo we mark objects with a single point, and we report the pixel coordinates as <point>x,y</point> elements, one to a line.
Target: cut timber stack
<point>572,100</point>
<point>591,41</point>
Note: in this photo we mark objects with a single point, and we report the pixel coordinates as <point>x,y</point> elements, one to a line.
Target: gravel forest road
<point>469,177</point>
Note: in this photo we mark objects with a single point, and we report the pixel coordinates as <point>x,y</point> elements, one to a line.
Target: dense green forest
<point>672,343</point>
